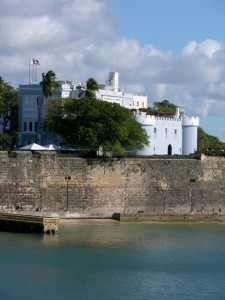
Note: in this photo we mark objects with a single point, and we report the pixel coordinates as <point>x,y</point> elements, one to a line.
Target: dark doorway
<point>169,150</point>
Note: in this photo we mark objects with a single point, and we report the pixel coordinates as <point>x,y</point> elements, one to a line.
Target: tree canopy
<point>209,144</point>
<point>164,107</point>
<point>7,141</point>
<point>8,106</point>
<point>95,125</point>
<point>8,115</point>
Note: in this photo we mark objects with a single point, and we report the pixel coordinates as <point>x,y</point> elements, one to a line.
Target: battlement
<point>143,118</point>
<point>146,119</point>
<point>190,121</point>
<point>172,119</point>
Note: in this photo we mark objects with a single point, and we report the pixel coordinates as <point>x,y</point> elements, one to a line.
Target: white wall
<point>165,132</point>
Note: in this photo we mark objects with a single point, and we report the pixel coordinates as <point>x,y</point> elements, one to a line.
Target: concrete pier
<point>168,217</point>
<point>28,223</point>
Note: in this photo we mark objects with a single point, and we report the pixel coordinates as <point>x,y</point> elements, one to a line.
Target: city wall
<point>43,181</point>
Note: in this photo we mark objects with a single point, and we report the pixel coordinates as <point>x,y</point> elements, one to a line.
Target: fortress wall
<point>113,185</point>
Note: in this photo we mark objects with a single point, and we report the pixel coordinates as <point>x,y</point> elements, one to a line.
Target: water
<point>115,261</point>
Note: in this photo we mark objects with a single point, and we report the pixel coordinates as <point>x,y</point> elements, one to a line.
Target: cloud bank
<point>77,39</point>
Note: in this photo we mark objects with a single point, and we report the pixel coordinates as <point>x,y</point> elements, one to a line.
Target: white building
<point>31,98</point>
<point>111,92</point>
<point>169,135</point>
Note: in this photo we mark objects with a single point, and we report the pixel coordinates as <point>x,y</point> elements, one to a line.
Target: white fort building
<point>168,135</point>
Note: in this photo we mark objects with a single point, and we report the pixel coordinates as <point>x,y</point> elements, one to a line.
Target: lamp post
<point>67,192</point>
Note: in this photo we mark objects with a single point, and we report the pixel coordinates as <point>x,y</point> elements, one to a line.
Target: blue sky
<point>165,49</point>
<point>170,24</point>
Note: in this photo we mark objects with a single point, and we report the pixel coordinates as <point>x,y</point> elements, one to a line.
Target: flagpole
<point>33,72</point>
<point>29,69</point>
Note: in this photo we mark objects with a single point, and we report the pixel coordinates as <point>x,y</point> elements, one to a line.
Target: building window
<point>24,126</point>
<point>175,133</point>
<point>35,126</point>
<point>143,104</point>
<point>137,103</point>
<point>155,132</point>
<point>30,126</point>
<point>166,133</point>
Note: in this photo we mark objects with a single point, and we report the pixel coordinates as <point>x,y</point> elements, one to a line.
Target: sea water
<point>115,261</point>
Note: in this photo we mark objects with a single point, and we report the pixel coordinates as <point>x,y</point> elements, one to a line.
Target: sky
<point>163,49</point>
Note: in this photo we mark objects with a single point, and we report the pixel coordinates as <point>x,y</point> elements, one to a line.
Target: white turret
<point>190,134</point>
<point>113,81</point>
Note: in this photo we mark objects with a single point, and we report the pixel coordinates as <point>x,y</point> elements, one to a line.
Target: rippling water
<point>115,261</point>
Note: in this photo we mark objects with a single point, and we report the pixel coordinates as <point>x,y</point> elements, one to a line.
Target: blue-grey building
<point>32,107</point>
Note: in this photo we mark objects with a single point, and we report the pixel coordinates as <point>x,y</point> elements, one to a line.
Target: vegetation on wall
<point>7,141</point>
<point>165,108</point>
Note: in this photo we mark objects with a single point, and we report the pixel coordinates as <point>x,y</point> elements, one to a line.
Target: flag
<point>35,62</point>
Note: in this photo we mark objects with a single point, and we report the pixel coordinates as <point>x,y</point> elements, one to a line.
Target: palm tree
<point>48,85</point>
<point>91,88</point>
<point>89,91</point>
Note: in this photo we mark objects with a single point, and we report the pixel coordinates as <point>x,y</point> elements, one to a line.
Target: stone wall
<point>31,181</point>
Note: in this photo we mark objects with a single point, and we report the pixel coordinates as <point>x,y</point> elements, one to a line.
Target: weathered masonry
<point>42,181</point>
<point>28,223</point>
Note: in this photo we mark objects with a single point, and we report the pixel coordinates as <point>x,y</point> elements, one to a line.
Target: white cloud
<point>35,33</point>
<point>206,107</point>
<point>28,8</point>
<point>77,40</point>
<point>208,47</point>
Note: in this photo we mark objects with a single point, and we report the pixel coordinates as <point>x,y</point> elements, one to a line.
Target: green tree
<point>203,142</point>
<point>8,115</point>
<point>7,141</point>
<point>48,85</point>
<point>90,90</point>
<point>164,107</point>
<point>95,125</point>
<point>209,144</point>
<point>8,106</point>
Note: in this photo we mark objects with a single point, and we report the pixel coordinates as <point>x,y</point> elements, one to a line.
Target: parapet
<point>190,121</point>
<point>143,118</point>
